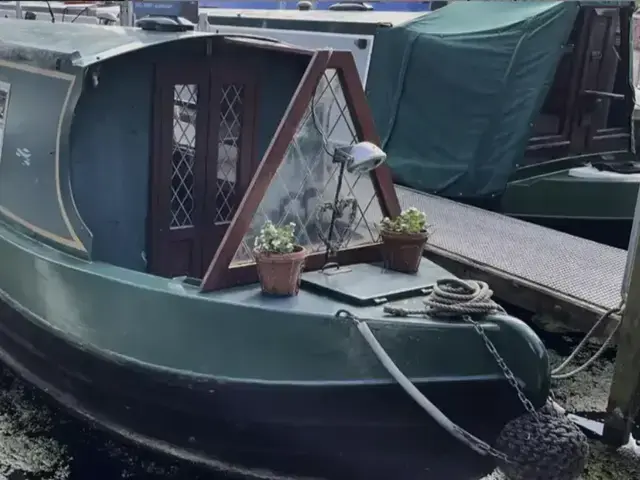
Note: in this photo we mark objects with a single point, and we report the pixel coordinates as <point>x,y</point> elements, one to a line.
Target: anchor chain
<point>539,445</point>
<point>452,297</point>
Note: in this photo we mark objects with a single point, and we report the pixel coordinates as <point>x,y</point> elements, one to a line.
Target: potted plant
<point>279,259</point>
<point>403,240</point>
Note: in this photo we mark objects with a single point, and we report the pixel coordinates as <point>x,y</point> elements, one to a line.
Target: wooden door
<point>230,162</point>
<point>178,169</point>
<point>202,161</point>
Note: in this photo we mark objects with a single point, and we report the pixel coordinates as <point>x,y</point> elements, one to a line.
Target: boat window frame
<point>220,274</point>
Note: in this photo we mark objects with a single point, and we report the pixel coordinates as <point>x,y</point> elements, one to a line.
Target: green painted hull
<point>600,210</point>
<point>559,195</point>
<point>273,375</point>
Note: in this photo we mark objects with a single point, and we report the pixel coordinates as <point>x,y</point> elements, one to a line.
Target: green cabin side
<point>118,169</point>
<point>163,153</point>
<point>85,182</point>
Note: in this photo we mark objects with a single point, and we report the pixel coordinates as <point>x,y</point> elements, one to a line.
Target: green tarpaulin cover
<point>454,92</point>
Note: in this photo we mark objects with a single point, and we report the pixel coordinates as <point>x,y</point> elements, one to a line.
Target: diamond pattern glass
<point>185,103</point>
<point>307,179</point>
<point>231,111</point>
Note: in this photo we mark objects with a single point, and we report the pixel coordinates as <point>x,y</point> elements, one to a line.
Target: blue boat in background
<point>189,8</point>
<point>319,5</point>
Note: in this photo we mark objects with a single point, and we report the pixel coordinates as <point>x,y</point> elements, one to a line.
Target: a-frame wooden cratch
<point>326,66</point>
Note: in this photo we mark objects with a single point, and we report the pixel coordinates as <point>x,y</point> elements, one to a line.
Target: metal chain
<point>503,365</point>
<point>546,454</point>
<point>471,440</point>
<point>458,297</point>
<point>483,446</point>
<point>469,297</point>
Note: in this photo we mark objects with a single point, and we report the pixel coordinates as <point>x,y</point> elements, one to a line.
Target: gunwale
<point>311,310</point>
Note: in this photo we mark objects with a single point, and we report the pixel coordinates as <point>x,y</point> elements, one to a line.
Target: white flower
<point>276,239</point>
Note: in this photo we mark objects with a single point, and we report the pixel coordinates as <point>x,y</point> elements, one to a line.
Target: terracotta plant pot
<point>403,251</point>
<point>279,274</point>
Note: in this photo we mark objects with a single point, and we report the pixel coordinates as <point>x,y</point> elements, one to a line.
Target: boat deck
<point>530,266</point>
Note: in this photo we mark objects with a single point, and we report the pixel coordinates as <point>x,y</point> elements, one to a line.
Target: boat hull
<point>350,430</point>
<point>596,209</point>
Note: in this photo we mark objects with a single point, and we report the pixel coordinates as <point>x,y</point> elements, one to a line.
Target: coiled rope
<point>452,298</point>
<point>539,445</point>
<point>476,298</point>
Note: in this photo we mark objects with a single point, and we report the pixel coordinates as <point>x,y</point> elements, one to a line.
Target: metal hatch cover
<point>367,284</point>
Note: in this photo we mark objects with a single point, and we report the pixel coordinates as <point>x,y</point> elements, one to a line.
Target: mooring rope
<point>557,374</point>
<point>476,298</point>
<point>539,445</point>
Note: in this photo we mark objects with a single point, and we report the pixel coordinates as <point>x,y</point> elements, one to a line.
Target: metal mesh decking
<point>583,269</point>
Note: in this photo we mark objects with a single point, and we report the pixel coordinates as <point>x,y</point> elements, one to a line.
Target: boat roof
<point>57,7</point>
<point>373,18</point>
<point>83,44</point>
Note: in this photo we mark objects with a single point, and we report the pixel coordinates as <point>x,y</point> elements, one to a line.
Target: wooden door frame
<point>223,70</point>
<point>583,135</point>
<point>575,138</point>
<point>166,76</point>
<point>560,144</point>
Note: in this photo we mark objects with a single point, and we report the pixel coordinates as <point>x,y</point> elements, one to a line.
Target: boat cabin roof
<point>81,44</point>
<point>372,18</point>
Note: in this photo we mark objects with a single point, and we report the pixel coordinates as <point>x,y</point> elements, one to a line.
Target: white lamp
<point>358,159</point>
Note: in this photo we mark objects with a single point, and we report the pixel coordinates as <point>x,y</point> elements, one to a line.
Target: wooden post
<point>624,396</point>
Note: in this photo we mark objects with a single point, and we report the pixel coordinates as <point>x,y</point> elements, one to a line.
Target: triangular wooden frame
<point>220,274</point>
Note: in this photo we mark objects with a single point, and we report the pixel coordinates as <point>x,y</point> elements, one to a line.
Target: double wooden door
<point>201,165</point>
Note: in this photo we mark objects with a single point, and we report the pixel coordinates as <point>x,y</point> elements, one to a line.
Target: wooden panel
<point>572,123</point>
<point>598,73</point>
<point>554,120</point>
<point>231,157</point>
<point>178,169</point>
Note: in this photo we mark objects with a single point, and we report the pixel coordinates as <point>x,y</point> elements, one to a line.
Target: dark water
<point>42,442</point>
<point>591,422</point>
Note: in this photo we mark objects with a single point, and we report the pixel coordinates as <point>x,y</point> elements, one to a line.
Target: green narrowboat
<point>137,166</point>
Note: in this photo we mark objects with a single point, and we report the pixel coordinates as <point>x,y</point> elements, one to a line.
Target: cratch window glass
<point>307,179</point>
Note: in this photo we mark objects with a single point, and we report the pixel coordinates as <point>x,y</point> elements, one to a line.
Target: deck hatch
<point>368,284</point>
